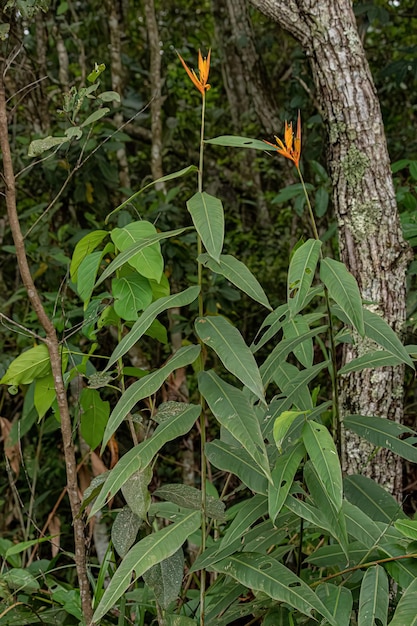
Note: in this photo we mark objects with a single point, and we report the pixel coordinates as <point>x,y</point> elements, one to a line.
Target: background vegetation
<point>106,77</point>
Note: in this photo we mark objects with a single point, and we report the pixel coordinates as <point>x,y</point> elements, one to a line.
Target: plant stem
<point>337,425</point>
<point>55,357</point>
<point>202,414</point>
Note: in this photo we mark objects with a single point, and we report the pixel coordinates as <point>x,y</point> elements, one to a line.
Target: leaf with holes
<point>374,597</point>
<point>283,475</point>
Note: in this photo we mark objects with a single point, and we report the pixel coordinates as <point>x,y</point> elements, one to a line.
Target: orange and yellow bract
<point>203,70</point>
<point>291,147</point>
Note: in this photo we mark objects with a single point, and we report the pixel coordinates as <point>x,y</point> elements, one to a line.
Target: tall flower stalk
<point>200,82</point>
<point>290,148</point>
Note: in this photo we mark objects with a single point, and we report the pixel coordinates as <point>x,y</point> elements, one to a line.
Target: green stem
<point>337,426</point>
<point>202,414</point>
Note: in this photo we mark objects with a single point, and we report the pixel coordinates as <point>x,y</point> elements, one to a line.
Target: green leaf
<point>208,218</point>
<point>87,272</point>
<point>238,462</point>
<point>385,433</point>
<point>136,493</point>
<point>233,410</point>
<point>139,246</point>
<point>274,321</point>
<point>323,454</point>
<point>374,359</point>
<point>374,597</point>
<point>238,274</point>
<point>249,512</point>
<point>147,262</point>
<point>344,290</point>
<point>32,364</point>
<point>282,350</point>
<point>297,327</point>
<point>338,600</point>
<point>163,179</point>
<point>232,350</point>
<point>146,386</point>
<point>301,274</point>
<point>408,528</point>
<point>292,191</point>
<point>142,455</point>
<point>132,293</point>
<point>190,498</point>
<point>95,413</point>
<point>20,580</point>
<point>263,573</point>
<point>84,247</point>
<point>295,390</point>
<point>232,141</point>
<point>44,395</point>
<point>282,424</point>
<point>39,146</point>
<point>165,578</point>
<point>140,327</point>
<point>124,530</point>
<point>360,526</point>
<point>405,613</point>
<point>333,519</point>
<point>145,554</point>
<point>283,476</point>
<point>366,494</point>
<point>379,330</point>
<point>95,117</point>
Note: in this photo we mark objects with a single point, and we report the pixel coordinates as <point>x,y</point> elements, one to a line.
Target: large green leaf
<point>165,578</point>
<point>44,394</point>
<point>208,218</point>
<point>338,600</point>
<point>295,390</point>
<point>145,554</point>
<point>301,274</point>
<point>249,512</point>
<point>240,142</point>
<point>136,493</point>
<point>163,179</point>
<point>323,454</point>
<point>374,597</point>
<point>374,359</point>
<point>385,433</point>
<point>237,461</point>
<point>379,330</point>
<point>34,363</point>
<point>124,530</point>
<point>132,293</point>
<point>233,410</point>
<point>334,556</point>
<point>297,327</point>
<point>360,526</point>
<point>95,413</point>
<point>146,386</point>
<point>140,327</point>
<point>87,272</point>
<point>263,573</point>
<point>148,262</point>
<point>139,246</point>
<point>282,350</point>
<point>407,527</point>
<point>238,274</point>
<point>229,345</point>
<point>366,494</point>
<point>344,290</point>
<point>333,518</point>
<point>273,322</point>
<point>142,455</point>
<point>283,476</point>
<point>189,497</point>
<point>84,247</point>
<point>406,613</point>
<point>282,424</point>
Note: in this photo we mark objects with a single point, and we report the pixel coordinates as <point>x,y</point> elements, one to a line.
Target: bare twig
<point>55,357</point>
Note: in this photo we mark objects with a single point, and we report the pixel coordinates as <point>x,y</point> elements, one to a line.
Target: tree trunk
<point>371,241</point>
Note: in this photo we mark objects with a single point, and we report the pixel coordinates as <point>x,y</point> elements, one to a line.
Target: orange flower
<point>292,147</point>
<point>203,69</point>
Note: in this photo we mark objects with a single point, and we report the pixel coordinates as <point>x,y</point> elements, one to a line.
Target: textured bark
<point>156,90</point>
<point>114,19</point>
<point>371,242</point>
